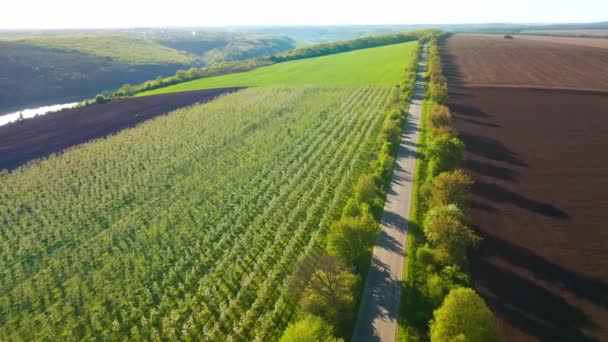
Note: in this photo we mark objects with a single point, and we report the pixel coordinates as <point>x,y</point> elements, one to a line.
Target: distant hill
<point>124,49</point>
<point>39,67</point>
<point>47,67</point>
<point>32,75</point>
<point>322,34</point>
<point>213,47</point>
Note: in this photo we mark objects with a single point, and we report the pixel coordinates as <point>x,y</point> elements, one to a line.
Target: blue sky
<point>131,13</point>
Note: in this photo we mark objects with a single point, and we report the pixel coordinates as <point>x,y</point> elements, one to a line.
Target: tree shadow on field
<point>468,111</point>
<point>491,149</point>
<point>472,115</point>
<point>463,112</point>
<point>496,193</point>
<point>451,70</point>
<point>476,205</point>
<point>592,289</point>
<point>531,307</point>
<point>480,123</point>
<point>459,94</point>
<point>491,170</point>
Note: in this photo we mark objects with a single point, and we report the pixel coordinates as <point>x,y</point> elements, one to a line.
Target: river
<point>30,113</point>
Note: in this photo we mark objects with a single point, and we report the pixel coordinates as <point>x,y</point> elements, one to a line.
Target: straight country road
<point>381,299</point>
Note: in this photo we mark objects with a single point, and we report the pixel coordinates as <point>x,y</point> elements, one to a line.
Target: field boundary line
<point>528,87</point>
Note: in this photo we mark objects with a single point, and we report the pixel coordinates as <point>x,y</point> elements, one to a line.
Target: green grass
<point>375,66</point>
<point>120,48</point>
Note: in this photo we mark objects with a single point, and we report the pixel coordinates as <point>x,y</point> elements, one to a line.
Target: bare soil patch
<point>52,133</point>
<point>589,33</point>
<point>491,60</point>
<point>540,197</point>
<point>579,41</point>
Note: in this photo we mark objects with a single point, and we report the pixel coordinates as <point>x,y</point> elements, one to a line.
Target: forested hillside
<point>32,75</point>
<point>213,47</point>
<point>70,66</point>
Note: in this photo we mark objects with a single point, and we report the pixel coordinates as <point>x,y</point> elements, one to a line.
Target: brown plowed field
<point>44,135</point>
<point>592,42</point>
<point>574,33</point>
<point>491,59</point>
<point>541,194</point>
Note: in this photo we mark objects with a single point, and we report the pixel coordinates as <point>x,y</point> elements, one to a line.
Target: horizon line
<point>297,25</point>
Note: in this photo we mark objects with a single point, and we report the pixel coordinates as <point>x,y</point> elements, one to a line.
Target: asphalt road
<point>381,299</point>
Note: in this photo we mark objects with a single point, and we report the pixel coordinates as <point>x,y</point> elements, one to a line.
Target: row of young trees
<point>215,69</point>
<point>327,283</point>
<point>350,45</point>
<point>185,227</point>
<point>438,303</point>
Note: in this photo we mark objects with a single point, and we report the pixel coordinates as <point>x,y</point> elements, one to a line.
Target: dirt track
<point>381,298</point>
<point>540,196</point>
<point>39,137</point>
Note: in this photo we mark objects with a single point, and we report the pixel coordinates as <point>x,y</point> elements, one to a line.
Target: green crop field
<point>186,226</point>
<point>378,66</point>
<point>123,49</point>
